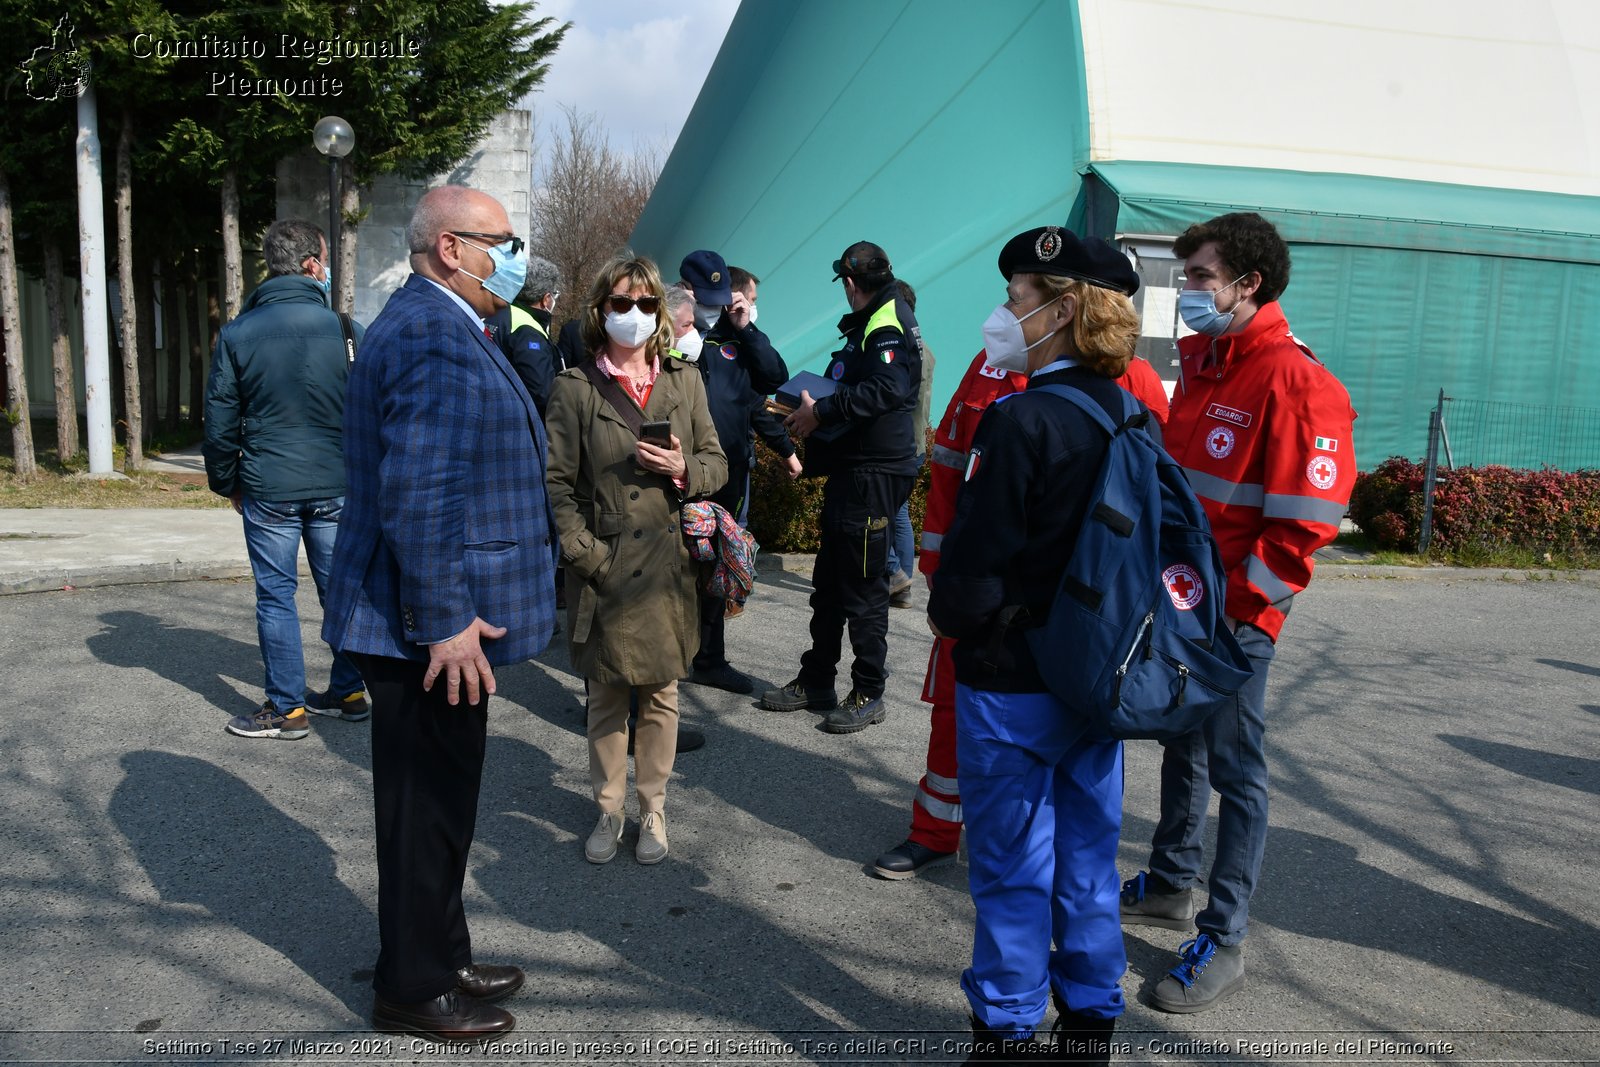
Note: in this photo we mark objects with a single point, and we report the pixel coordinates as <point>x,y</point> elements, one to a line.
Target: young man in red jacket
<point>1262,429</point>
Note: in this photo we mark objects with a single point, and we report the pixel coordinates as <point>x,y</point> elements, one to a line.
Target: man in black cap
<point>1041,800</point>
<point>862,437</point>
<point>740,368</point>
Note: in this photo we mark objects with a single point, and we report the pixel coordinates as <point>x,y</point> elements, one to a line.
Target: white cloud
<point>637,66</point>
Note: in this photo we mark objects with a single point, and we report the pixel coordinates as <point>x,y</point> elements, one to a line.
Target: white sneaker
<point>602,843</point>
<point>652,847</point>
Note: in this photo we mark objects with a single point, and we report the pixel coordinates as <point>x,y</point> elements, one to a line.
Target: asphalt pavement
<point>176,894</point>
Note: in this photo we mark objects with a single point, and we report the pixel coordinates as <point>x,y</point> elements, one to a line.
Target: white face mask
<point>690,344</point>
<point>1003,342</point>
<point>752,314</point>
<point>706,315</point>
<point>630,330</point>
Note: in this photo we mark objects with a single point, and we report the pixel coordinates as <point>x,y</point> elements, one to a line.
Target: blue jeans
<point>1043,809</point>
<point>902,545</point>
<point>1228,754</point>
<point>273,531</point>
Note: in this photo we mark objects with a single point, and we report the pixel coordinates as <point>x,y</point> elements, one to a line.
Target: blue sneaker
<point>350,708</point>
<point>269,722</point>
<point>1206,972</point>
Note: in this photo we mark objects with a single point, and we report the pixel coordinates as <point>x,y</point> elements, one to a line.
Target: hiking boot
<point>899,582</point>
<point>652,847</point>
<point>1003,1046</point>
<point>857,711</point>
<point>724,678</point>
<point>351,708</point>
<point>907,860</point>
<point>1206,972</point>
<point>795,695</point>
<point>1148,901</point>
<point>902,599</point>
<point>269,723</point>
<point>603,841</point>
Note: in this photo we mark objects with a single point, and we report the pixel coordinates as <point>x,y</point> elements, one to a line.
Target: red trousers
<point>936,811</point>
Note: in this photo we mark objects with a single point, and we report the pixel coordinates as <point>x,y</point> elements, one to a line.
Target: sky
<point>637,66</point>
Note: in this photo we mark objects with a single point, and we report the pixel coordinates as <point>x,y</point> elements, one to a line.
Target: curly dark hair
<point>1246,242</point>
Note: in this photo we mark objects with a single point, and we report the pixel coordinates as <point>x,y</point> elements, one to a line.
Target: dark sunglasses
<point>624,304</point>
<point>494,239</point>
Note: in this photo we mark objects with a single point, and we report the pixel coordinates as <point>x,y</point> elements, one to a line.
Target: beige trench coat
<point>633,610</point>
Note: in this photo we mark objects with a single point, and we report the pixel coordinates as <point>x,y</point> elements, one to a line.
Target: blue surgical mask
<point>1198,307</point>
<point>510,270</point>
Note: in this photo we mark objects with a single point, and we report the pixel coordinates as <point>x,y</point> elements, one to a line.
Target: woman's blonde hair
<point>1105,328</point>
<point>638,272</point>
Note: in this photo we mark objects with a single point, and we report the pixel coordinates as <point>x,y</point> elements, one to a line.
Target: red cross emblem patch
<point>1322,472</point>
<point>1183,586</point>
<point>1219,442</point>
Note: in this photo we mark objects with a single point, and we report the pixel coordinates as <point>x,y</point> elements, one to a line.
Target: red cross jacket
<point>981,386</point>
<point>1262,429</point>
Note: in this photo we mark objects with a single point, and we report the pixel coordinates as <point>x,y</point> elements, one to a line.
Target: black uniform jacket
<point>740,368</point>
<point>874,407</point>
<point>1030,474</point>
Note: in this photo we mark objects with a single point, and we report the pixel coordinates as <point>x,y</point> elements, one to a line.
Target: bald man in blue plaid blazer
<point>444,569</point>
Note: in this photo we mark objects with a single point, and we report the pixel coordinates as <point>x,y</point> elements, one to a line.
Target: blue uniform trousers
<point>1043,808</point>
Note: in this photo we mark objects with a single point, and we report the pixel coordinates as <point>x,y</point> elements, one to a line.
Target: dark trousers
<point>849,586</point>
<point>713,649</point>
<point>427,763</point>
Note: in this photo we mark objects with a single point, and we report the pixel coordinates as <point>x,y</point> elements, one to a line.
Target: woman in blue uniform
<point>1043,802</point>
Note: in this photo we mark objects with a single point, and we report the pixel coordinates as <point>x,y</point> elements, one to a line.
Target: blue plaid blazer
<point>445,513</point>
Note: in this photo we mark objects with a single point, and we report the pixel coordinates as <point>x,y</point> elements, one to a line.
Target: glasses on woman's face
<point>623,304</point>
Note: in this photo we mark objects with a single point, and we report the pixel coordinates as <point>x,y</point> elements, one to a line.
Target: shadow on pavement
<point>1552,768</point>
<point>1567,665</point>
<point>680,943</point>
<point>1356,903</point>
<point>200,661</point>
<point>206,837</point>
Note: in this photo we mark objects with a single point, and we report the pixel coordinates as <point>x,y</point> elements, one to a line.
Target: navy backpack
<point>1135,641</point>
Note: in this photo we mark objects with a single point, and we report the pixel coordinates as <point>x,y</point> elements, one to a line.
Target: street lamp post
<point>334,138</point>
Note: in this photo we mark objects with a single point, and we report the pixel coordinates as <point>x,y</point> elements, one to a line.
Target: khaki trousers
<point>655,744</point>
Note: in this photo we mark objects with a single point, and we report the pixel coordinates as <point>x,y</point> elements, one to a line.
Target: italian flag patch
<point>887,355</point>
<point>1328,444</point>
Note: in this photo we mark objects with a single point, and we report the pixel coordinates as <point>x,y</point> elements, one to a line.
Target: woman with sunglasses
<point>632,606</point>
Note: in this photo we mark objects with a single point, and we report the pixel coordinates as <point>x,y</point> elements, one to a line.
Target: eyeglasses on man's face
<point>493,238</point>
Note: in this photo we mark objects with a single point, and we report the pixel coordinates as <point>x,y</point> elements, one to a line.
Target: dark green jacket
<point>275,398</point>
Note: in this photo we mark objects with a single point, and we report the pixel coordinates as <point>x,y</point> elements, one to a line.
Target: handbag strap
<point>612,393</point>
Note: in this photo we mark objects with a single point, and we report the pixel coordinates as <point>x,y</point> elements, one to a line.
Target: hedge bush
<point>1482,509</point>
<point>784,512</point>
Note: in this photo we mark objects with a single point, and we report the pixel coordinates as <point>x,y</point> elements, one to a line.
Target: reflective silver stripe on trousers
<point>1224,492</point>
<point>930,541</point>
<point>1277,590</point>
<point>940,784</point>
<point>1305,508</point>
<point>949,457</point>
<point>939,809</point>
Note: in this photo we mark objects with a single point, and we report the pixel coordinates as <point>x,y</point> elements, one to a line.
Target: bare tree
<point>588,200</point>
<point>60,353</point>
<point>23,458</point>
<point>134,438</point>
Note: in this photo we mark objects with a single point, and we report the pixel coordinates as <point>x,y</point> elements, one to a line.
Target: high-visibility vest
<point>521,318</point>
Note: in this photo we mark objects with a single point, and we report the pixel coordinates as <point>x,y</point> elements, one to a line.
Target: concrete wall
<point>501,166</point>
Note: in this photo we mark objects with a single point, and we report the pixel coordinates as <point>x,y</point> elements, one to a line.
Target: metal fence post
<point>1430,474</point>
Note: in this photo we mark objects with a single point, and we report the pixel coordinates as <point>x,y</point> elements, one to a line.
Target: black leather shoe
<point>1079,1038</point>
<point>907,860</point>
<point>689,739</point>
<point>489,982</point>
<point>723,677</point>
<point>449,1017</point>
